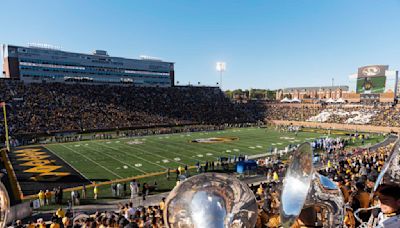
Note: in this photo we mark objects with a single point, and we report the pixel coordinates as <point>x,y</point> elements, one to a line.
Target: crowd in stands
<point>355,173</point>
<point>386,116</point>
<point>45,108</point>
<point>127,216</point>
<point>49,108</point>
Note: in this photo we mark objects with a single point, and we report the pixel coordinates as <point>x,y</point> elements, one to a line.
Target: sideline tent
<point>285,100</point>
<point>296,100</point>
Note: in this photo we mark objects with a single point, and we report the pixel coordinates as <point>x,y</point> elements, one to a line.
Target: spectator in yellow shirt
<point>180,169</point>
<point>95,192</point>
<point>260,190</point>
<point>275,176</point>
<point>60,213</point>
<point>41,197</point>
<point>162,204</point>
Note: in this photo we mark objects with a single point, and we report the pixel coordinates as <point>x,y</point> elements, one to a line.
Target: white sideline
<point>67,163</point>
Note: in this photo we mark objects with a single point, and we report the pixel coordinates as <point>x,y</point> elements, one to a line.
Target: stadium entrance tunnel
<point>36,168</point>
<point>215,140</point>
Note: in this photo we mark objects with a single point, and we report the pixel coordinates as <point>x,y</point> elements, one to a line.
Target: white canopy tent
<point>285,100</point>
<point>295,100</point>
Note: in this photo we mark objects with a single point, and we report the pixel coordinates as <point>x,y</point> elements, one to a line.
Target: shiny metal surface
<point>211,200</point>
<point>304,188</point>
<point>325,194</point>
<point>390,174</point>
<point>4,205</point>
<point>327,183</point>
<point>296,184</point>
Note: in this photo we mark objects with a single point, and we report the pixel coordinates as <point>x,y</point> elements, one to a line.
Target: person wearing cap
<point>389,198</point>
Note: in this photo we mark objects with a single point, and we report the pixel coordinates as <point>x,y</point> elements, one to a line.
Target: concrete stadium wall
<point>348,127</point>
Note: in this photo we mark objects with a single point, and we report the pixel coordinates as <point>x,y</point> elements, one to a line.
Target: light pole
<point>221,67</point>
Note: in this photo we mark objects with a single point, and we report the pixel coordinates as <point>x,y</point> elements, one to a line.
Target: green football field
<point>127,157</point>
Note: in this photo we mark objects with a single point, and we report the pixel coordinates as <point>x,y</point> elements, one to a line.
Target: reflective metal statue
<point>211,200</point>
<point>309,198</point>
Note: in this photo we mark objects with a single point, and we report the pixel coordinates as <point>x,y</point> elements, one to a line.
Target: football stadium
<point>97,139</point>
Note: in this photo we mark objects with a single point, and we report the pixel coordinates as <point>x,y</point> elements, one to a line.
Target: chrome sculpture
<point>304,190</point>
<point>211,200</point>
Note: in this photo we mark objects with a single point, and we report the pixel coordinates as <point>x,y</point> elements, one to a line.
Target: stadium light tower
<point>221,67</point>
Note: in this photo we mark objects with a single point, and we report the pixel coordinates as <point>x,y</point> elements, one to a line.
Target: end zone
<point>36,168</point>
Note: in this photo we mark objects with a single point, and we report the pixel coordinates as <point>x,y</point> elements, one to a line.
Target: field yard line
<point>182,155</point>
<point>67,163</point>
<point>116,159</point>
<point>133,156</point>
<point>93,161</point>
<point>154,142</point>
<point>132,146</point>
<point>199,148</point>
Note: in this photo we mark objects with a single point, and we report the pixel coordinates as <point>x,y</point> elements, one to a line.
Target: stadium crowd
<point>126,216</point>
<point>386,116</point>
<point>355,172</point>
<point>40,108</point>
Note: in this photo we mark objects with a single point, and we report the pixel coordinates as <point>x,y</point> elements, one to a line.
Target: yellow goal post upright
<point>3,105</point>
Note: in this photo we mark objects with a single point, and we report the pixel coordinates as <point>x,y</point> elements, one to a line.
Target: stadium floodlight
<point>221,67</point>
